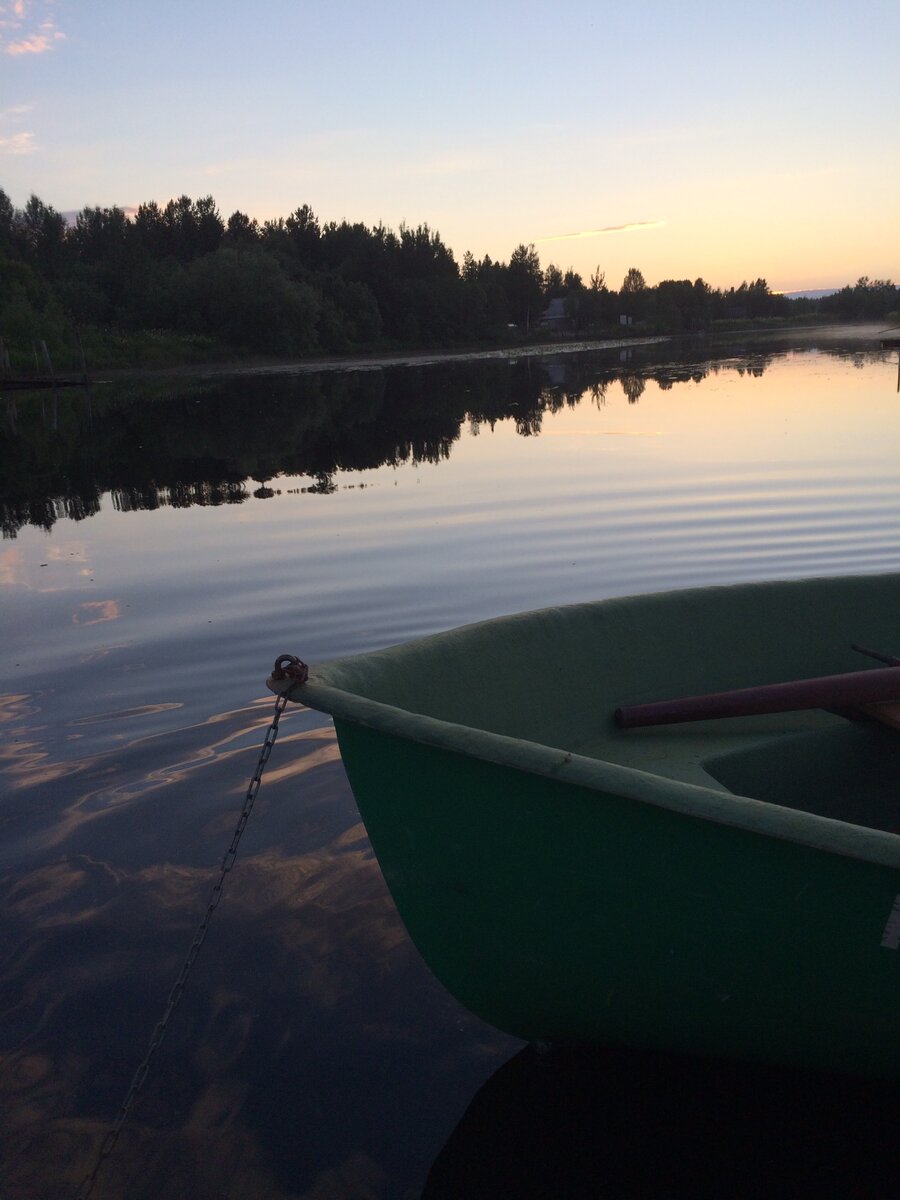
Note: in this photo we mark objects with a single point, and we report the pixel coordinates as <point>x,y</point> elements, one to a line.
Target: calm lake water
<point>163,543</point>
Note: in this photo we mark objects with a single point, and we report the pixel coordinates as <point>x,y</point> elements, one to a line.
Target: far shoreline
<point>379,360</point>
<point>375,361</point>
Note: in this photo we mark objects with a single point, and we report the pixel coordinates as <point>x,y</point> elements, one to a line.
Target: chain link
<point>175,994</point>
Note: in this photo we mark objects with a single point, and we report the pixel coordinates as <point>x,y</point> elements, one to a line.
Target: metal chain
<point>162,1026</point>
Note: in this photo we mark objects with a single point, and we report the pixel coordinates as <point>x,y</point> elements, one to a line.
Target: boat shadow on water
<point>582,1121</point>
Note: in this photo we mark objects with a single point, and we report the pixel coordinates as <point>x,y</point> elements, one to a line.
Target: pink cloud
<point>36,43</point>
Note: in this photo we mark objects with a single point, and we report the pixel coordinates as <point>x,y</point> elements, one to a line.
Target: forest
<point>178,283</point>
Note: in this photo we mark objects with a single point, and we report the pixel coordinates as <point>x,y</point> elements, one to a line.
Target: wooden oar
<point>887,714</point>
<point>888,659</point>
<point>876,692</point>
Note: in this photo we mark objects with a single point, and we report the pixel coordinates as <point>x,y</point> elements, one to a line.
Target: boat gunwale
<point>629,783</point>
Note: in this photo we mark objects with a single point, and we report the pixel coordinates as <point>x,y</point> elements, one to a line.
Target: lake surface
<point>163,543</point>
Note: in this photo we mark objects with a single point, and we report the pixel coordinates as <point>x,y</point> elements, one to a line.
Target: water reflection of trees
<point>221,442</point>
<point>633,387</point>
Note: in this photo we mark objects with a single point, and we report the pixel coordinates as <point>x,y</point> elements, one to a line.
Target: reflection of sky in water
<point>313,1054</point>
<point>305,1007</point>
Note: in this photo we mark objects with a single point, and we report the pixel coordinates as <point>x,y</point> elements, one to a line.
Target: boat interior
<point>556,676</point>
<point>812,761</point>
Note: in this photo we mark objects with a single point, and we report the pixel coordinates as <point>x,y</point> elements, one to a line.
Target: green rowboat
<point>726,886</point>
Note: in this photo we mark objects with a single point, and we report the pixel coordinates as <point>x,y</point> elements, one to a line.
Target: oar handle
<point>827,691</point>
<point>888,659</point>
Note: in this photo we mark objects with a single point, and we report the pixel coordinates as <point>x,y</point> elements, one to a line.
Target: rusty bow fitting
<point>288,666</point>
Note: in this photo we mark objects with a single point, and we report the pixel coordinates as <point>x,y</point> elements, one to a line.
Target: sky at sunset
<point>694,138</point>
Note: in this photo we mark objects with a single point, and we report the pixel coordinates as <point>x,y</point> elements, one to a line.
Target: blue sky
<point>687,139</point>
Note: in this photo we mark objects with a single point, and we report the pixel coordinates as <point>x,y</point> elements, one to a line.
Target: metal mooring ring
<point>289,666</point>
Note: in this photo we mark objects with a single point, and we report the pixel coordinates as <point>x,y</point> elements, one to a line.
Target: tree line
<point>295,286</point>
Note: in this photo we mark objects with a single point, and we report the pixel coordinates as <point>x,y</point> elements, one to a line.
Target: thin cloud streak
<point>588,233</point>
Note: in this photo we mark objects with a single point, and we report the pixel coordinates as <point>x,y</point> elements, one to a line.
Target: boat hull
<point>566,914</point>
<point>563,898</point>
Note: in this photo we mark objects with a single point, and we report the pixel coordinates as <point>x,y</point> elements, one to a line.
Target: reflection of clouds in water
<point>65,552</point>
<point>17,571</point>
<point>105,651</point>
<point>93,612</point>
<point>63,892</point>
<point>29,762</point>
<point>296,908</point>
<point>12,567</point>
<point>25,759</point>
<point>124,714</point>
<point>220,753</point>
<point>301,940</point>
<point>307,1010</point>
<point>17,706</point>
